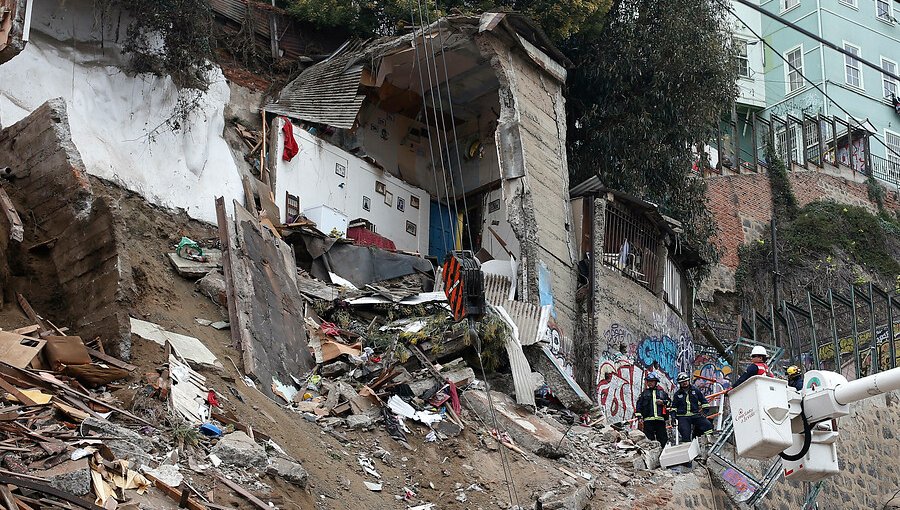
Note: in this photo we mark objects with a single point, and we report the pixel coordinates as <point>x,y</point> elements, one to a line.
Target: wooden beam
<point>12,390</point>
<point>16,230</point>
<point>45,488</point>
<point>111,360</point>
<point>245,493</point>
<point>29,311</point>
<point>227,271</point>
<point>176,494</point>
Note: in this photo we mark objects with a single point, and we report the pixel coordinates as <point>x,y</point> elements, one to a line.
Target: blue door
<point>441,238</point>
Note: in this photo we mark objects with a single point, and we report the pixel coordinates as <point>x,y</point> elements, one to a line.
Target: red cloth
<point>290,145</point>
<point>454,398</point>
<point>330,328</point>
<point>211,399</point>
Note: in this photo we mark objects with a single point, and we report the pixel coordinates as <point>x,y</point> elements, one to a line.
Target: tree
<point>560,18</point>
<point>653,85</point>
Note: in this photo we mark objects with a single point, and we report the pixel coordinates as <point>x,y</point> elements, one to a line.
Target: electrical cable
<point>849,116</point>
<point>434,111</point>
<point>430,146</point>
<point>441,128</point>
<point>457,141</point>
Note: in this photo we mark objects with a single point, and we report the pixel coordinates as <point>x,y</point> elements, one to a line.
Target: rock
<point>636,436</point>
<point>651,457</point>
<point>212,285</point>
<point>335,369</point>
<point>130,445</point>
<point>358,421</point>
<point>289,470</point>
<point>72,476</point>
<point>527,430</point>
<point>610,436</point>
<point>568,498</point>
<point>169,474</point>
<point>239,450</point>
<point>194,269</point>
<point>221,325</point>
<point>447,428</point>
<point>622,479</point>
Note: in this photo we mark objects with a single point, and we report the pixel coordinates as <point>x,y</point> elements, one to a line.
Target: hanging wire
<point>431,86</point>
<point>430,146</point>
<point>456,140</point>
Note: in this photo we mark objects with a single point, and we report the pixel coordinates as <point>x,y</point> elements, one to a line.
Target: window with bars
<point>889,85</point>
<point>672,286</point>
<point>794,69</point>
<point>741,59</point>
<point>631,244</point>
<point>787,143</point>
<point>883,11</point>
<point>852,70</point>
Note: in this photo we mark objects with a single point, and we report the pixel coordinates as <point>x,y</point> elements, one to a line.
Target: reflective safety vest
<point>763,369</point>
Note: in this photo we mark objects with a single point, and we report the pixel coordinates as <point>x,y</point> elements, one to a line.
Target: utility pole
<point>775,273</point>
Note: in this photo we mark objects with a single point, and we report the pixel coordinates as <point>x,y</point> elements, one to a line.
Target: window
<point>787,5</point>
<point>741,60</point>
<point>850,3</point>
<point>892,141</point>
<point>794,69</point>
<point>852,70</point>
<point>883,11</point>
<point>889,84</point>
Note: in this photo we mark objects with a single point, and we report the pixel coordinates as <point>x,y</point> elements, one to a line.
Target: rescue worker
<point>757,366</point>
<point>652,411</point>
<point>691,408</point>
<point>795,378</point>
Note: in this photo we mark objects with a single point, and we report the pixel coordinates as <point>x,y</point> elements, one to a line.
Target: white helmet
<point>759,351</point>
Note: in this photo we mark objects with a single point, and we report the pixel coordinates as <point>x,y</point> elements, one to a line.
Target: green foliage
<point>653,85</point>
<point>813,244</point>
<point>560,18</point>
<point>169,37</point>
<point>784,203</point>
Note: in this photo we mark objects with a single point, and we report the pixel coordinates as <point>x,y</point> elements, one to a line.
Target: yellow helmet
<point>793,370</point>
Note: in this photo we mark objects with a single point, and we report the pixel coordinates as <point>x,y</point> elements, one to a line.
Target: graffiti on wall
<point>826,351</point>
<point>711,372</point>
<point>561,346</point>
<point>628,358</point>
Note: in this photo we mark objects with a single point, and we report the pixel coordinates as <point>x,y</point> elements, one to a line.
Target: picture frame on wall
<point>401,204</point>
<point>340,169</point>
<point>414,202</point>
<point>410,227</point>
<point>389,198</point>
<point>493,206</point>
<point>379,187</point>
<point>367,203</point>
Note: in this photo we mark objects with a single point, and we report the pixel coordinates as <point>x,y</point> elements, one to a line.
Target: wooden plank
<point>29,311</point>
<point>249,197</point>
<point>45,488</point>
<point>243,492</point>
<point>111,360</point>
<point>27,330</point>
<point>174,493</point>
<point>16,230</point>
<point>12,390</point>
<point>19,350</point>
<point>227,271</point>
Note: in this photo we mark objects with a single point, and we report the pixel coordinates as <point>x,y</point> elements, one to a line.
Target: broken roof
<point>330,92</point>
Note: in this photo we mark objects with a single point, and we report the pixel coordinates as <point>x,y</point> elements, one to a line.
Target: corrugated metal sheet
<point>327,92</point>
<point>530,319</point>
<point>521,369</point>
<point>496,288</point>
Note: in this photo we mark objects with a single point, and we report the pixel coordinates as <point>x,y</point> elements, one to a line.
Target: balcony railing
<point>886,170</point>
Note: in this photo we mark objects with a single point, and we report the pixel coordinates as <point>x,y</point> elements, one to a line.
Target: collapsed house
<point>448,138</point>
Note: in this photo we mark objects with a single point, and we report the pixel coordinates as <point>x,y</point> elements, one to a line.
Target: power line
<point>794,68</point>
<point>807,33</point>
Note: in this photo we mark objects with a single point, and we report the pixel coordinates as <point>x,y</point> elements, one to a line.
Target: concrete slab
<point>528,431</point>
<point>193,269</point>
<point>188,347</point>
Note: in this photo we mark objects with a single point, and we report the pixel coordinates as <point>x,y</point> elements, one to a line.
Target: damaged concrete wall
<point>531,134</point>
<point>264,303</point>
<point>12,28</point>
<point>52,192</point>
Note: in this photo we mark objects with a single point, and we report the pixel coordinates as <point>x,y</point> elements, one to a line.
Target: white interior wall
<point>311,175</point>
<point>114,116</point>
<point>498,221</point>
